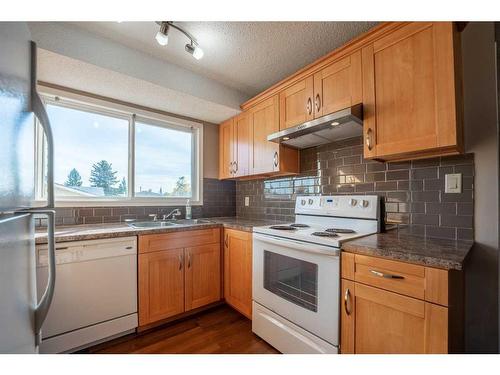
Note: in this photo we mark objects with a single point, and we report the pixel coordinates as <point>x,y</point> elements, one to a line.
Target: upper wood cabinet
<point>249,153</point>
<point>226,149</point>
<point>178,272</point>
<point>412,93</point>
<point>338,86</point>
<point>238,270</point>
<point>243,145</point>
<point>296,103</point>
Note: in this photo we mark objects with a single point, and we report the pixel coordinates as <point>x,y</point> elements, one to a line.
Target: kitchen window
<point>108,154</point>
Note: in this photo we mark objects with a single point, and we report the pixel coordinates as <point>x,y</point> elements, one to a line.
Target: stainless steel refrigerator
<point>21,312</point>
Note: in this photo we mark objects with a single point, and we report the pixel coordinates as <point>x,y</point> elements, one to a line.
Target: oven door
<point>300,282</point>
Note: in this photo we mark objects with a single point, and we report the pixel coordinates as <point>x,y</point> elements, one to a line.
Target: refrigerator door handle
<point>42,309</point>
<point>40,112</point>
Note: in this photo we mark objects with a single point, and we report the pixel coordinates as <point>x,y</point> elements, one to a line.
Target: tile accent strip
<point>413,191</point>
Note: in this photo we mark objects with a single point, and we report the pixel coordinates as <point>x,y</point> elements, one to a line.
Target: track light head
<point>162,34</point>
<point>194,50</point>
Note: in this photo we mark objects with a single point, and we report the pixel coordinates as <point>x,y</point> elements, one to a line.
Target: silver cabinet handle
<point>309,106</point>
<point>317,102</point>
<point>235,167</point>
<point>386,275</point>
<point>226,240</point>
<point>347,298</point>
<point>368,141</point>
<point>275,159</point>
<point>230,167</point>
<point>189,260</point>
<point>180,262</point>
<point>39,110</point>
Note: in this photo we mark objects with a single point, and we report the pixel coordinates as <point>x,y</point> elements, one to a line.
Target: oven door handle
<point>297,245</point>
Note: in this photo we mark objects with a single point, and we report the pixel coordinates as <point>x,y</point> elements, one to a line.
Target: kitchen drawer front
<point>402,278</point>
<point>175,240</point>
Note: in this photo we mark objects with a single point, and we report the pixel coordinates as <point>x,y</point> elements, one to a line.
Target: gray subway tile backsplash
<point>413,191</point>
<point>219,200</point>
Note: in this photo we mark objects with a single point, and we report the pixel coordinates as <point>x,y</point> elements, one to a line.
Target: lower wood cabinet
<point>383,316</point>
<point>238,270</point>
<point>174,279</point>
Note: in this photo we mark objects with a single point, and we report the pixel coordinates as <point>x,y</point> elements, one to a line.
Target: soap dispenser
<point>188,209</point>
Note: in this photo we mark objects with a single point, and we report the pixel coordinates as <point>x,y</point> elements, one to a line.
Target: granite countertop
<point>398,244</point>
<point>112,230</point>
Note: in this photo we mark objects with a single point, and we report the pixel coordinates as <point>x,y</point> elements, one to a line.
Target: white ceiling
<point>246,56</point>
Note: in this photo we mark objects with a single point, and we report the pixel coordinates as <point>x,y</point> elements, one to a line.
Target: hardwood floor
<point>220,330</point>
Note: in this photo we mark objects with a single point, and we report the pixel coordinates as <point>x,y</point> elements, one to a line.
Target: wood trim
<point>436,286</point>
<point>175,240</point>
<point>348,48</point>
<point>348,322</point>
<point>436,329</point>
<point>347,266</point>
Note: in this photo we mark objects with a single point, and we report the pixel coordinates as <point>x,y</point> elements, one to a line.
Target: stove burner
<point>325,234</point>
<point>282,227</point>
<point>340,230</point>
<point>299,225</point>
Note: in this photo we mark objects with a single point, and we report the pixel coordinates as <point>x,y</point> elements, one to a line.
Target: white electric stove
<point>296,271</point>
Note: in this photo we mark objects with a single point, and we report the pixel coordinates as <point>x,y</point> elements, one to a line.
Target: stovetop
<point>329,237</point>
<point>329,220</point>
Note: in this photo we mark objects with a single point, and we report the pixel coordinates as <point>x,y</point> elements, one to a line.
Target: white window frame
<point>131,114</point>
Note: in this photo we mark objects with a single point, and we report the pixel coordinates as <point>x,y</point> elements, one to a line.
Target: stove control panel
<point>352,206</point>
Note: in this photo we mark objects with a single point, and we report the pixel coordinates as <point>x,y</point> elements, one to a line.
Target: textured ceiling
<point>247,56</point>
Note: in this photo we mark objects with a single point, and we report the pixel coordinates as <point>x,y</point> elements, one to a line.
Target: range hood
<point>346,123</point>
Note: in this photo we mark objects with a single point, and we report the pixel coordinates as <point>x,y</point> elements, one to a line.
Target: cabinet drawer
<point>426,283</point>
<point>402,278</point>
<point>176,240</point>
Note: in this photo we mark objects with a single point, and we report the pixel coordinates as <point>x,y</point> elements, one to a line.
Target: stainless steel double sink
<point>167,223</point>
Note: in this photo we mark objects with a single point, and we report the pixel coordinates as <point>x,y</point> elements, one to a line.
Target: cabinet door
<point>161,285</point>
<point>243,144</point>
<point>226,149</point>
<point>386,322</point>
<point>265,121</point>
<point>296,103</point>
<point>238,270</point>
<point>338,86</point>
<point>202,276</point>
<point>409,93</point>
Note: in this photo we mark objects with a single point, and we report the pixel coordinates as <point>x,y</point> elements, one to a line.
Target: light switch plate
<point>247,201</point>
<point>453,183</point>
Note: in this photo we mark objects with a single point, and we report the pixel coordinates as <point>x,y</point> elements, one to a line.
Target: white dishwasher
<point>95,295</point>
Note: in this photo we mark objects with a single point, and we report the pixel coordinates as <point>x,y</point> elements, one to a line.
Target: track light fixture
<point>191,47</point>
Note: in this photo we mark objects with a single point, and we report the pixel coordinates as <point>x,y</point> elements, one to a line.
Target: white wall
<point>481,138</point>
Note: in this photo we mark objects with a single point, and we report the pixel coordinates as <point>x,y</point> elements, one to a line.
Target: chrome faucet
<point>154,216</point>
<point>173,213</point>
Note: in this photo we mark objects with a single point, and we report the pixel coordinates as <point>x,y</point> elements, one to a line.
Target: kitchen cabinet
<point>338,86</point>
<point>178,272</point>
<point>245,150</point>
<point>335,87</point>
<point>243,145</point>
<point>269,157</point>
<point>412,93</point>
<point>296,103</point>
<point>238,270</point>
<point>226,149</point>
<point>395,307</point>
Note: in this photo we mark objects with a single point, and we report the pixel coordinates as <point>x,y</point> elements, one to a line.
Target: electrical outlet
<point>453,183</point>
<point>247,201</point>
